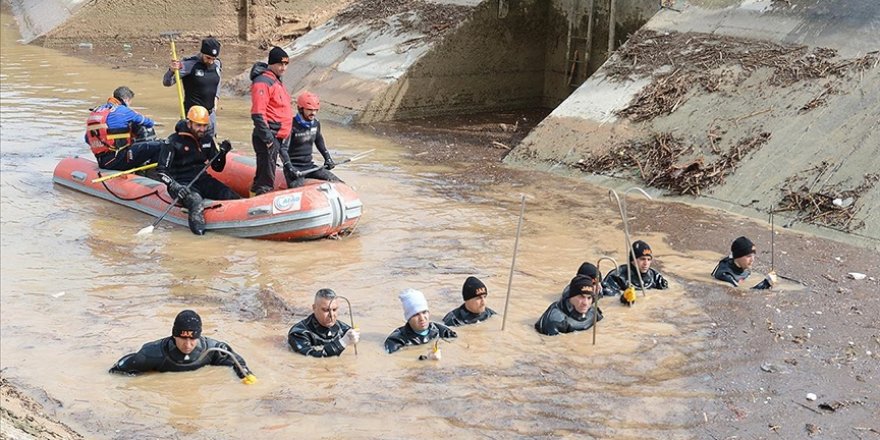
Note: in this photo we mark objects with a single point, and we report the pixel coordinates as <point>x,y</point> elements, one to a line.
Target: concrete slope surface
<point>744,105</point>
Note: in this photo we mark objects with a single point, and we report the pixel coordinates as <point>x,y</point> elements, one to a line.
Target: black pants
<point>132,157</point>
<point>320,174</point>
<point>267,156</point>
<point>209,188</point>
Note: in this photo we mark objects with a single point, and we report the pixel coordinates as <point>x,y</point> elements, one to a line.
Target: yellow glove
<point>629,295</point>
<point>250,379</point>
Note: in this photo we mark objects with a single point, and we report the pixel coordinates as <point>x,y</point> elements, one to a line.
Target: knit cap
<point>741,247</point>
<point>473,288</point>
<point>210,46</point>
<point>277,55</point>
<point>413,302</point>
<point>187,324</point>
<point>640,249</point>
<point>580,285</point>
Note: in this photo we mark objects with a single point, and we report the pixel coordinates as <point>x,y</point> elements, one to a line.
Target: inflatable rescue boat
<point>316,210</point>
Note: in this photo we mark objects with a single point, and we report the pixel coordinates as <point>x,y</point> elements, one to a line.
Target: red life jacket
<point>102,139</point>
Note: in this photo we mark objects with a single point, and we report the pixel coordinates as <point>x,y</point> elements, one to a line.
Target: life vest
<point>100,137</point>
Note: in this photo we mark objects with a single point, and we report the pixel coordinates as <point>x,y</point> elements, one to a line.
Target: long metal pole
<point>522,211</point>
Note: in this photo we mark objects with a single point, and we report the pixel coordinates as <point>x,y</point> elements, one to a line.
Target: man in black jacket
<point>418,328</point>
<point>474,309</point>
<point>185,350</point>
<point>573,312</point>
<point>734,268</point>
<point>200,77</point>
<point>321,334</point>
<point>182,158</point>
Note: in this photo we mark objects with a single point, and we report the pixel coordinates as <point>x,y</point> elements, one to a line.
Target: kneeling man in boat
<point>185,350</point>
<point>321,334</point>
<point>306,133</point>
<point>121,138</point>
<point>474,309</point>
<point>183,156</point>
<point>418,329</point>
<point>573,312</point>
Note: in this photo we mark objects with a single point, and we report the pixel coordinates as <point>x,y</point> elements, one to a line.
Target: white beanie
<point>413,301</point>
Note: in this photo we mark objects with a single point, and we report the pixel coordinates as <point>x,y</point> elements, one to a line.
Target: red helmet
<point>308,100</point>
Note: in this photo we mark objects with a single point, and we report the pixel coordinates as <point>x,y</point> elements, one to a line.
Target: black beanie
<point>187,324</point>
<point>590,270</point>
<point>580,285</point>
<point>640,249</point>
<point>741,247</point>
<point>473,288</point>
<point>277,55</point>
<point>210,46</point>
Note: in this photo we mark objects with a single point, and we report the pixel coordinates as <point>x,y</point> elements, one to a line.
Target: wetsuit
<point>616,280</point>
<point>305,134</point>
<point>182,158</point>
<point>162,355</point>
<point>127,151</point>
<point>463,316</point>
<point>310,338</point>
<point>728,271</point>
<point>405,335</point>
<point>201,84</point>
<point>272,116</point>
<point>561,317</point>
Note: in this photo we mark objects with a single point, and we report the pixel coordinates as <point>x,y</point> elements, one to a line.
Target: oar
<point>171,36</point>
<point>522,211</point>
<point>122,173</point>
<point>350,159</point>
<point>149,229</point>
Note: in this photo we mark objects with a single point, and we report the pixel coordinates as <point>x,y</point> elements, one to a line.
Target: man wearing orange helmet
<point>272,116</point>
<point>307,132</point>
<point>184,156</point>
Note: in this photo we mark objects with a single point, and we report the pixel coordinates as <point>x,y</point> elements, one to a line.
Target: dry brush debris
<point>827,205</point>
<point>432,18</point>
<point>665,161</point>
<point>710,60</point>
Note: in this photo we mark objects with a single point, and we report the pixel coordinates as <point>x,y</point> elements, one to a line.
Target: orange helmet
<point>199,115</point>
<point>308,100</point>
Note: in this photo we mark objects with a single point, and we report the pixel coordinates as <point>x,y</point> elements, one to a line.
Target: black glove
<point>225,147</point>
<point>661,282</point>
<point>290,173</point>
<point>328,163</point>
<point>174,187</point>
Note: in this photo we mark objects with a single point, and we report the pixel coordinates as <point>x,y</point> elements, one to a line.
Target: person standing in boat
<point>418,328</point>
<point>120,137</point>
<point>573,312</point>
<point>321,334</point>
<point>306,133</point>
<point>185,350</point>
<point>200,78</point>
<point>638,271</point>
<point>183,156</point>
<point>272,116</point>
<point>474,309</point>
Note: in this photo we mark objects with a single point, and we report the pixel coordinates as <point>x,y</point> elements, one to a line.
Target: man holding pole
<point>183,158</point>
<point>573,312</point>
<point>200,77</point>
<point>321,334</point>
<point>734,268</point>
<point>121,138</point>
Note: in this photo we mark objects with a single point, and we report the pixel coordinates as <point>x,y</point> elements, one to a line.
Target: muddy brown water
<point>80,289</point>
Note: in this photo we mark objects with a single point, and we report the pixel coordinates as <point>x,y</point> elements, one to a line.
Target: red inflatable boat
<point>318,209</point>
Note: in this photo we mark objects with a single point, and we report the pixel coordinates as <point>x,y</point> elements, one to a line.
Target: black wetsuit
<point>463,316</point>
<point>728,271</point>
<point>561,317</point>
<point>162,355</point>
<point>305,134</point>
<point>616,280</point>
<point>405,335</point>
<point>310,338</point>
<point>200,82</point>
<point>182,157</point>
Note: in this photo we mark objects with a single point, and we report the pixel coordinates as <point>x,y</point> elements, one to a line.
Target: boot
<point>193,203</point>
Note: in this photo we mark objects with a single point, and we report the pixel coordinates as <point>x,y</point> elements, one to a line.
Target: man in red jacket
<point>272,115</point>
